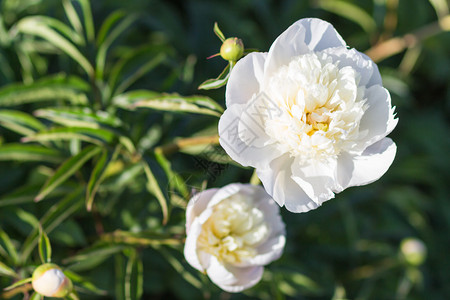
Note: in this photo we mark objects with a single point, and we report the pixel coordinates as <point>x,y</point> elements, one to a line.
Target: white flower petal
<point>243,139</point>
<point>316,178</point>
<point>360,62</point>
<point>378,120</point>
<point>249,69</point>
<point>190,246</point>
<point>278,183</point>
<point>197,205</point>
<point>302,37</point>
<point>368,167</point>
<point>233,279</point>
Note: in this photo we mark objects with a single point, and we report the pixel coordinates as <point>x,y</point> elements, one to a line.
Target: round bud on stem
<point>49,281</point>
<point>414,251</point>
<point>232,49</point>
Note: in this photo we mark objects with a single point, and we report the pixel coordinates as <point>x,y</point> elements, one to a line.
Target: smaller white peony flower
<point>49,281</point>
<point>311,116</point>
<point>232,232</point>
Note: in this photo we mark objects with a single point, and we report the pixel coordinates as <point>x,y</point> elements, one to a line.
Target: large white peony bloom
<point>311,116</point>
<point>232,233</point>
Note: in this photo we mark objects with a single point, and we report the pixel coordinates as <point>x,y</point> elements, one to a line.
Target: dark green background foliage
<point>83,130</point>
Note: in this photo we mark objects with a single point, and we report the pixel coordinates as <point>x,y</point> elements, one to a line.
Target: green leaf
<point>12,252</point>
<point>98,175</point>
<point>218,82</point>
<point>44,246</point>
<point>351,12</point>
<point>38,26</point>
<point>17,284</point>
<point>36,296</point>
<point>134,277</point>
<point>107,42</point>
<point>27,193</point>
<point>20,122</point>
<point>154,188</point>
<point>175,263</point>
<point>82,282</point>
<point>61,28</point>
<point>78,117</point>
<point>171,102</point>
<point>22,153</point>
<point>55,216</point>
<point>141,71</point>
<point>218,32</point>
<point>7,271</point>
<point>88,19</point>
<point>72,15</point>
<point>92,256</point>
<point>48,89</point>
<point>67,169</point>
<point>176,182</point>
<point>96,136</point>
<point>150,53</point>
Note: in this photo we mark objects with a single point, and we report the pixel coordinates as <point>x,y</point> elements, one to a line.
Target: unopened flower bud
<point>232,49</point>
<point>50,281</point>
<point>414,251</point>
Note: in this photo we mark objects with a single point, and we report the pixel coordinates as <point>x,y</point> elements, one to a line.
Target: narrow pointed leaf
<point>218,82</point>
<point>17,284</point>
<point>45,249</point>
<point>154,188</point>
<point>88,19</point>
<point>36,26</point>
<point>67,169</point>
<point>55,216</point>
<point>98,175</point>
<point>78,117</point>
<point>53,88</point>
<point>72,15</point>
<point>218,32</point>
<point>9,246</point>
<point>170,102</point>
<point>7,271</point>
<point>22,152</point>
<point>20,122</point>
<point>134,277</point>
<point>97,136</point>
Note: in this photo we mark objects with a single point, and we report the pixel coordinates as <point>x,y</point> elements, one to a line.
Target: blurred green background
<point>69,95</point>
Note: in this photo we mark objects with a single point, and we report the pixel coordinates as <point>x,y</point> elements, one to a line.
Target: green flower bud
<point>232,49</point>
<point>413,251</point>
<point>49,281</point>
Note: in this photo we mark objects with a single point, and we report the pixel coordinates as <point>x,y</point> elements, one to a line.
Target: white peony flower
<point>311,116</point>
<point>49,281</point>
<point>232,232</point>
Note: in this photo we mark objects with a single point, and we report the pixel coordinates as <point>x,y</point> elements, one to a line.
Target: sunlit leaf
<point>55,216</point>
<point>134,277</point>
<point>20,122</point>
<point>7,271</point>
<point>9,246</point>
<point>170,102</point>
<point>67,169</point>
<point>97,136</point>
<point>54,88</point>
<point>218,82</point>
<point>98,175</point>
<point>45,249</point>
<point>17,284</point>
<point>105,44</point>
<point>21,152</point>
<point>218,32</point>
<point>78,117</point>
<point>38,26</point>
<point>154,188</point>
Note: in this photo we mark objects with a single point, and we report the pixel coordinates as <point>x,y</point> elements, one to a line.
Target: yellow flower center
<point>234,230</point>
